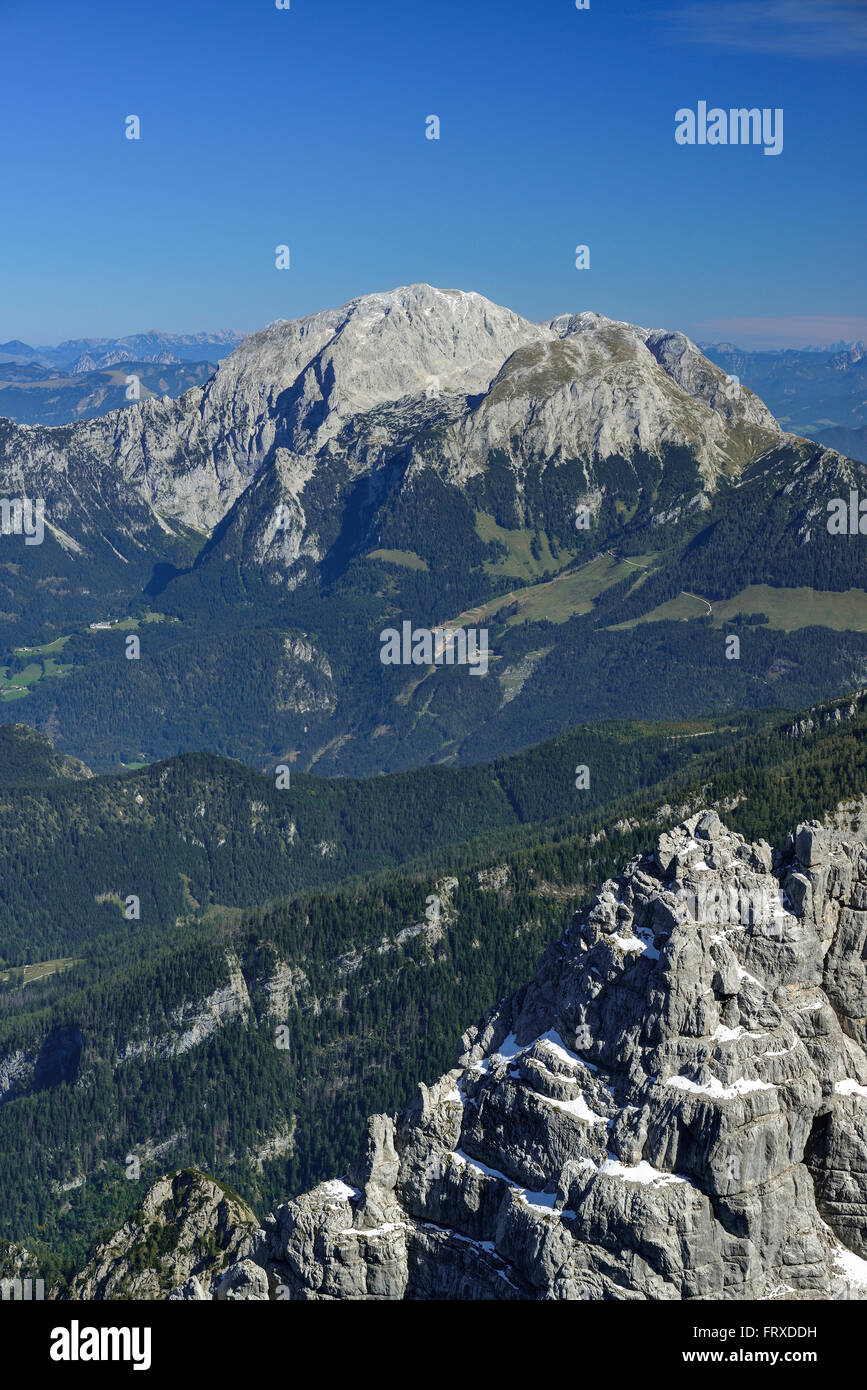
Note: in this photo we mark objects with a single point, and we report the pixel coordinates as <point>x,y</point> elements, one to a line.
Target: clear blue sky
<point>307,127</point>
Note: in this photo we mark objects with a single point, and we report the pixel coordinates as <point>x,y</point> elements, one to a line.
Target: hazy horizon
<point>818,334</point>
<point>557,129</point>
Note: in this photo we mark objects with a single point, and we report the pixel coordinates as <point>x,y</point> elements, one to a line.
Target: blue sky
<point>307,127</point>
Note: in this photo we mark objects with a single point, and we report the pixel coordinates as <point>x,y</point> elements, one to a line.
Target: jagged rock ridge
<point>674,1108</point>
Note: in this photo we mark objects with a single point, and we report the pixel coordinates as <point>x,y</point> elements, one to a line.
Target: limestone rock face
<point>188,1231</point>
<point>301,410</point>
<point>606,388</point>
<point>244,1280</point>
<point>674,1108</point>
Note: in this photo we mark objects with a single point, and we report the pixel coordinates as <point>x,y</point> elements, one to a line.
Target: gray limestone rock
<point>675,1108</point>
<point>188,1230</point>
<point>244,1280</point>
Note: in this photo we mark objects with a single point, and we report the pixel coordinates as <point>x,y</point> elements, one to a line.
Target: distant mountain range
<point>31,394</point>
<point>841,345</point>
<point>86,354</point>
<point>817,392</point>
<point>87,377</point>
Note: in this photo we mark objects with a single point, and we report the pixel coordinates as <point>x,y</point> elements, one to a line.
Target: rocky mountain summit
<point>674,1108</point>
<point>350,388</point>
<point>411,455</point>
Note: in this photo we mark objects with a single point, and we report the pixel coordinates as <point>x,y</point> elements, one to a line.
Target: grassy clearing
<point>40,970</point>
<point>789,609</point>
<point>17,686</point>
<point>407,558</point>
<point>47,649</point>
<point>127,624</point>
<point>565,596</point>
<point>45,666</point>
<point>786,609</point>
<point>520,563</point>
<point>679,609</point>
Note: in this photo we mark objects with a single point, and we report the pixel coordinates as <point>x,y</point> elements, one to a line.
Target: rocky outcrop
<point>16,1072</point>
<point>675,1108</point>
<point>194,1021</point>
<point>187,1233</point>
<point>822,719</point>
<point>27,756</point>
<point>56,1059</point>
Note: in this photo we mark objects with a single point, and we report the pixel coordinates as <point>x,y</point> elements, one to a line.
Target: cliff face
<point>273,444</point>
<point>674,1108</point>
